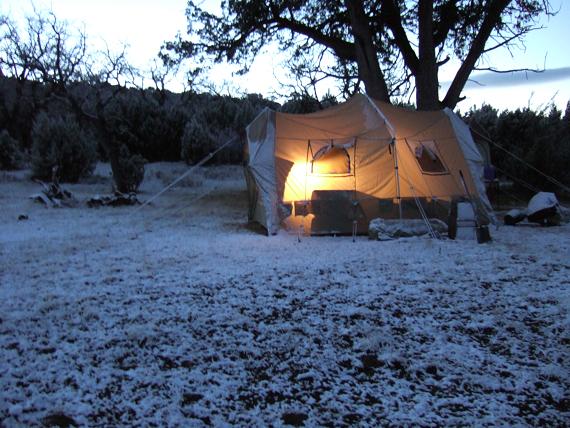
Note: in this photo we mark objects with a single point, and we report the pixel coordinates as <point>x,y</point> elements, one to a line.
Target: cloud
<point>490,79</point>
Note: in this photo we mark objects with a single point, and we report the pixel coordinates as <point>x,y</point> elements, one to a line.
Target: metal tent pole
<point>355,202</point>
<point>392,133</point>
<point>398,196</point>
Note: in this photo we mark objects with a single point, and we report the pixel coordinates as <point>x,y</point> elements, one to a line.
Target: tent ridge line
<point>384,118</point>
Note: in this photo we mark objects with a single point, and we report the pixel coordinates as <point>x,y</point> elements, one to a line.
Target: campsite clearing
<point>179,314</point>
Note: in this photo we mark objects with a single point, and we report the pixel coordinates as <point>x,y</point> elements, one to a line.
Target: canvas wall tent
<point>341,167</point>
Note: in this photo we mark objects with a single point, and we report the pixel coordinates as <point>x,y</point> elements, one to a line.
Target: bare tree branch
<point>513,70</point>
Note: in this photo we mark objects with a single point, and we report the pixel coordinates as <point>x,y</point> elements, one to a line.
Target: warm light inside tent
<point>331,160</point>
<point>328,165</point>
<point>296,185</point>
<point>301,182</point>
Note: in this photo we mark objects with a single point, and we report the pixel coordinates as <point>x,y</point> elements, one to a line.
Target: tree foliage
<point>11,156</point>
<point>131,171</point>
<point>61,149</point>
<point>54,56</point>
<point>385,46</point>
<point>538,138</point>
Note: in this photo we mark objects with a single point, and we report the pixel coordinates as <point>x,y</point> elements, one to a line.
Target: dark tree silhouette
<point>54,54</point>
<point>385,45</point>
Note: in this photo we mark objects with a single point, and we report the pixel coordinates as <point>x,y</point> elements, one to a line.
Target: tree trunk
<point>427,83</point>
<point>368,68</point>
<point>494,10</point>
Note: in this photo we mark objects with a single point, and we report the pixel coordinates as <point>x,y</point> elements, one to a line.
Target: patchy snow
<point>541,201</point>
<point>179,314</point>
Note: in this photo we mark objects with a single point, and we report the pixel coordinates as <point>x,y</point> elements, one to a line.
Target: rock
<point>382,230</point>
<point>541,201</point>
<point>514,216</point>
<point>546,217</point>
<point>543,208</point>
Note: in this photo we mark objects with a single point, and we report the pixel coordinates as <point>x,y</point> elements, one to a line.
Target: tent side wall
<point>260,171</point>
<point>355,126</point>
<point>413,130</point>
<point>476,165</point>
<point>461,157</point>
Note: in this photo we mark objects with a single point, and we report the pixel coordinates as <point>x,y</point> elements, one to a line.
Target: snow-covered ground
<point>179,314</point>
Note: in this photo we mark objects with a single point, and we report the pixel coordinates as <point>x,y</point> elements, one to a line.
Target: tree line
<point>164,126</point>
<point>155,125</point>
<point>527,144</point>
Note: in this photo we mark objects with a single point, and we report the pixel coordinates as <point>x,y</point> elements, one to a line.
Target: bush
<point>130,171</point>
<point>11,156</point>
<point>196,141</point>
<point>539,138</point>
<point>61,150</point>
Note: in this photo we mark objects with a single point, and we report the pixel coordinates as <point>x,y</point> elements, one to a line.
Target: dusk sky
<point>145,24</point>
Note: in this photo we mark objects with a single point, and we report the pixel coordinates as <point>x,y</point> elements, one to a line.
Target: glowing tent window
<point>331,160</point>
<point>428,157</point>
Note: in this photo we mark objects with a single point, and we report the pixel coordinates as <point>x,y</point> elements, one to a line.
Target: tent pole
<point>393,144</point>
<point>355,202</point>
<point>398,196</point>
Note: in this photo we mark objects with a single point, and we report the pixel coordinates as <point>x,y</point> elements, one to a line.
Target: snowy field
<point>179,314</point>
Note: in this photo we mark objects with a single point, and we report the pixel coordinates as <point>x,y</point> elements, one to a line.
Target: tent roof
<point>358,116</point>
